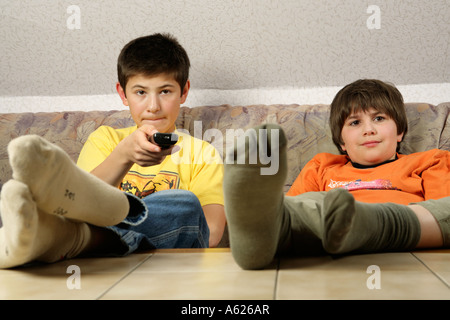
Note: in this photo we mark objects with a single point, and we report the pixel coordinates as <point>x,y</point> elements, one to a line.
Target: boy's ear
<point>400,137</point>
<point>122,94</point>
<point>185,91</point>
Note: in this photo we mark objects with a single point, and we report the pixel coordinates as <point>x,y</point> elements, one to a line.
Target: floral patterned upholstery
<point>306,127</point>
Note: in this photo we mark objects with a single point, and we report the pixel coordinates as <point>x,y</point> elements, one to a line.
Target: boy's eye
<point>379,118</point>
<point>140,92</point>
<point>354,123</point>
<point>165,91</point>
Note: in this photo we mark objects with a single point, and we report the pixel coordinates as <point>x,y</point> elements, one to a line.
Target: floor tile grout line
<point>124,276</point>
<point>275,287</point>
<point>432,271</point>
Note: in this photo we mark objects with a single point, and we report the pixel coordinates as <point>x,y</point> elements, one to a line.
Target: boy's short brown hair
<point>362,95</point>
<point>152,55</point>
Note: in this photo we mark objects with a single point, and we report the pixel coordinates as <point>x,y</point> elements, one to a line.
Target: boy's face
<point>370,137</point>
<point>154,100</point>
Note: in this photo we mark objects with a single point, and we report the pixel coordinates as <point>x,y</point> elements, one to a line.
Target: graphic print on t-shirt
<point>378,184</point>
<point>142,185</point>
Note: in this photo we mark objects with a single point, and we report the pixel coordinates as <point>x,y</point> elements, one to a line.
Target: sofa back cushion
<point>306,127</point>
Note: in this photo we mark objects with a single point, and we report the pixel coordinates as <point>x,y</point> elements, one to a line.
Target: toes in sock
<point>254,197</point>
<point>60,187</point>
<point>350,225</point>
<point>28,234</point>
<point>19,217</point>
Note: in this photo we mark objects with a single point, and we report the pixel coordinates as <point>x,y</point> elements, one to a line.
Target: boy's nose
<point>153,105</point>
<point>369,129</point>
<point>153,108</point>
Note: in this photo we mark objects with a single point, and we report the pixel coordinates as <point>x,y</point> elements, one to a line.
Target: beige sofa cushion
<point>306,127</point>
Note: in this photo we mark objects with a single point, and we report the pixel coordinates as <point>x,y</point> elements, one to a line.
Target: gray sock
<point>440,209</point>
<point>254,201</point>
<point>350,225</point>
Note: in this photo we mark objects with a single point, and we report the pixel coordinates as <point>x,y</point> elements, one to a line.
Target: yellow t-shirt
<point>197,167</point>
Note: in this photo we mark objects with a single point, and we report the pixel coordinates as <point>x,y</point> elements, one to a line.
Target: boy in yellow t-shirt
<point>53,209</point>
<point>368,199</point>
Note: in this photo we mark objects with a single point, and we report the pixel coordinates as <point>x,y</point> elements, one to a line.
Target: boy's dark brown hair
<point>152,55</point>
<point>362,95</point>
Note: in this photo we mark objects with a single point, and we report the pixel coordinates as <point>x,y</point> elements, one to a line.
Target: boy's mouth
<point>152,120</point>
<point>371,144</point>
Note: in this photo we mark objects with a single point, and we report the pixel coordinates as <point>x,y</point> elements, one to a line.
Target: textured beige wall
<point>48,48</point>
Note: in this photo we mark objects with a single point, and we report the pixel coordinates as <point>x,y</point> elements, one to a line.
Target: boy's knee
<point>187,199</point>
<point>179,201</point>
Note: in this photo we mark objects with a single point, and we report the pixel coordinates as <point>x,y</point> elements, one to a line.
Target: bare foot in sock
<point>30,235</point>
<point>253,200</point>
<point>60,187</point>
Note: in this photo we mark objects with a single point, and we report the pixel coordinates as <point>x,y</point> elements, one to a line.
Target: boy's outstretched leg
<point>28,234</point>
<point>254,200</point>
<point>60,187</point>
<point>350,225</point>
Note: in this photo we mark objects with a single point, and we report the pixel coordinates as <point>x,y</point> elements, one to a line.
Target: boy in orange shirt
<point>369,199</point>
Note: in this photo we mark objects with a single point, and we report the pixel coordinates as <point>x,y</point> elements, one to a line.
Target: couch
<point>306,127</point>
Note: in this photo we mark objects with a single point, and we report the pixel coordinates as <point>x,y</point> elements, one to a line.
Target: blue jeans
<point>164,219</point>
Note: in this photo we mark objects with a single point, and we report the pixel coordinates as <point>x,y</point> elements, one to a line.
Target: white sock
<point>60,187</point>
<point>30,235</point>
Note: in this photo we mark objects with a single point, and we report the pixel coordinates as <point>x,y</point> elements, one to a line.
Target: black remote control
<point>165,140</point>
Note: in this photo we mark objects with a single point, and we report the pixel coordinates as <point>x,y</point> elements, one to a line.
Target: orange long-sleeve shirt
<point>411,178</point>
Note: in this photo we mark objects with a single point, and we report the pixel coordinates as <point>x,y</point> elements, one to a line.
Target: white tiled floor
<point>212,274</point>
